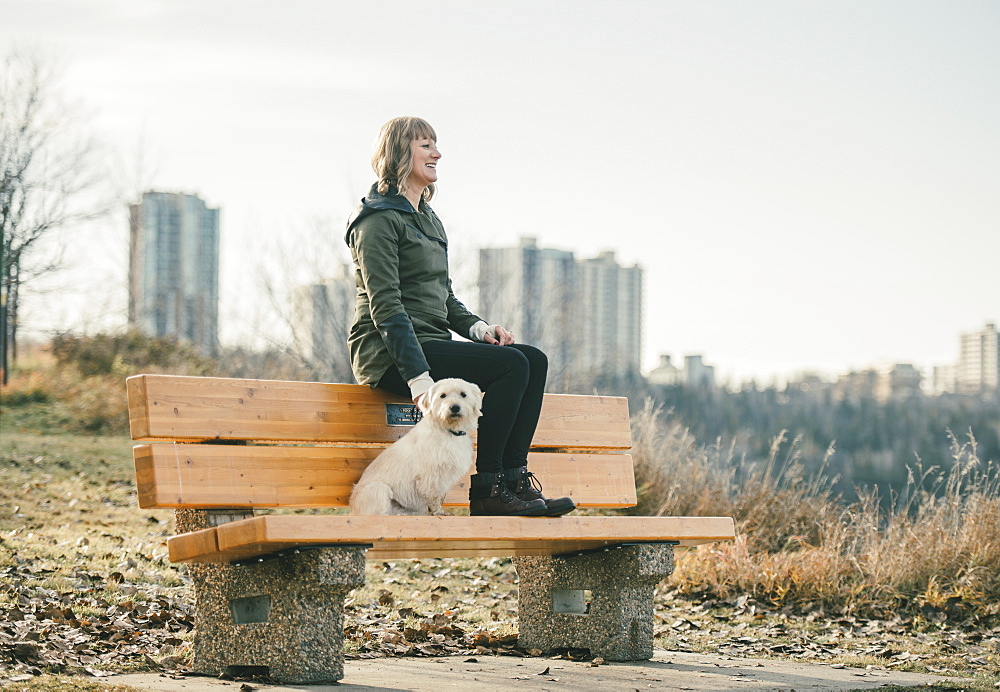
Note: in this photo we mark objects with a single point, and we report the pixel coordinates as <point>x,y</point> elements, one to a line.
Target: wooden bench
<point>270,587</point>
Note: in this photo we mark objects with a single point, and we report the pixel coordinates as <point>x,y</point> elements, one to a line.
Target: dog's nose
<point>455,408</point>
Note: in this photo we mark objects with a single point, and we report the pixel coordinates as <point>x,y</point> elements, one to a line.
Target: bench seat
<point>443,536</point>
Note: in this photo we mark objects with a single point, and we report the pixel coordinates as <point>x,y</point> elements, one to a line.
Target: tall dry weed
<point>935,545</point>
<point>772,500</point>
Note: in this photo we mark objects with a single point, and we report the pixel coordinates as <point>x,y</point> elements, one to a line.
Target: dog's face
<point>453,403</point>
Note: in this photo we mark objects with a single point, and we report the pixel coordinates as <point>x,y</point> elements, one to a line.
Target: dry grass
<point>59,398</point>
<point>937,551</point>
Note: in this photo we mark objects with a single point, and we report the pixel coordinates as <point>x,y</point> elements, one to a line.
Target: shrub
<point>31,388</point>
<point>79,386</point>
<point>97,405</point>
<point>59,399</point>
<point>127,354</point>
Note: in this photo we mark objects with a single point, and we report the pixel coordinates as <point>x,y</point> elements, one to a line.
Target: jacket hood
<point>376,201</point>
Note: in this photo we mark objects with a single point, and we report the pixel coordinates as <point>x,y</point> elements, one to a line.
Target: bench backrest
<point>307,443</point>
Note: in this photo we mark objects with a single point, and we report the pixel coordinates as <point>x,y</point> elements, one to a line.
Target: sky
<point>808,186</point>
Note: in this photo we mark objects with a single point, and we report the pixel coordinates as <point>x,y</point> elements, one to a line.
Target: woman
<point>401,337</point>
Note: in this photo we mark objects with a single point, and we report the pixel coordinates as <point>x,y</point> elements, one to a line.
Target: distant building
<point>697,374</point>
<point>944,379</point>
<point>531,291</point>
<point>611,302</point>
<point>666,373</point>
<point>857,384</point>
<point>884,383</point>
<point>585,314</point>
<point>899,381</point>
<point>808,382</point>
<point>978,368</point>
<point>694,373</point>
<point>174,269</point>
<point>321,319</point>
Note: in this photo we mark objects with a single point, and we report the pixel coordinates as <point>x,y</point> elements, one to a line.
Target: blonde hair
<point>393,159</point>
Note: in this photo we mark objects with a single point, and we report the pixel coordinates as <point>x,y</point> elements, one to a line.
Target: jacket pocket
<point>420,234</point>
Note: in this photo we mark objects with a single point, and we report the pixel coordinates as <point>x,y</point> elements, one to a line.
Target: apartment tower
<point>978,367</point>
<point>174,269</point>
<point>585,314</point>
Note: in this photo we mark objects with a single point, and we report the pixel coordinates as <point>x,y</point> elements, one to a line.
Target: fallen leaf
<point>99,673</point>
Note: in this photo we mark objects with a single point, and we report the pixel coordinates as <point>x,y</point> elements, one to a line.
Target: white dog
<point>417,471</point>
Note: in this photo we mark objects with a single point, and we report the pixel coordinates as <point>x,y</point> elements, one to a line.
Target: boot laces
<point>501,490</point>
<point>529,478</point>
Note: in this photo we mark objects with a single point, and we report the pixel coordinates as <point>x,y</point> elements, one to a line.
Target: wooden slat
<point>398,536</point>
<point>138,419</point>
<point>192,547</point>
<point>583,422</point>
<point>207,476</point>
<point>171,407</point>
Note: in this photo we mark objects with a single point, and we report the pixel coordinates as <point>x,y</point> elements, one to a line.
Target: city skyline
<point>809,186</point>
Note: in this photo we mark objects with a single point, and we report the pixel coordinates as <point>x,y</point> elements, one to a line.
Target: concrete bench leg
<point>599,601</point>
<point>286,614</point>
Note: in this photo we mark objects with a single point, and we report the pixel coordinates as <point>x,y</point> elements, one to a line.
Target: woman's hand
<point>498,336</point>
<point>418,388</point>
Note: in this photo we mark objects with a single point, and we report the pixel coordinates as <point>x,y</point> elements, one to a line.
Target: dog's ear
<point>425,401</point>
<point>478,395</point>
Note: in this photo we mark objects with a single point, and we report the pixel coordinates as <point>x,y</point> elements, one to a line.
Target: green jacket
<point>404,295</point>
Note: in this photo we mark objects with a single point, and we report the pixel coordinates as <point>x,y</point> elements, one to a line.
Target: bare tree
<point>308,298</point>
<point>48,169</point>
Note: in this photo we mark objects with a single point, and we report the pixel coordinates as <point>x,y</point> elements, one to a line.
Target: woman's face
<point>425,157</point>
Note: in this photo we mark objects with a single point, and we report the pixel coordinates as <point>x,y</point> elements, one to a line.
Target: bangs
<point>420,129</point>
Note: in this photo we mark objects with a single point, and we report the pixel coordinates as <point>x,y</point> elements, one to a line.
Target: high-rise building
<point>174,269</point>
<point>321,319</point>
<point>585,314</point>
<point>530,291</point>
<point>978,368</point>
<point>611,298</point>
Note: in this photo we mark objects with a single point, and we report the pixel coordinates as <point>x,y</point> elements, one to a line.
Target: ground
<point>86,590</point>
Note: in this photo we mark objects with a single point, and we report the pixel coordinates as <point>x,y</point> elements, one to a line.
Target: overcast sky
<point>807,185</point>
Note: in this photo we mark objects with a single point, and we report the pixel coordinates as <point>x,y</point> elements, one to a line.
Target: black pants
<point>513,379</point>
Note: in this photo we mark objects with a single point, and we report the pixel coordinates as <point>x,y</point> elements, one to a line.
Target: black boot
<point>490,496</point>
<point>525,486</point>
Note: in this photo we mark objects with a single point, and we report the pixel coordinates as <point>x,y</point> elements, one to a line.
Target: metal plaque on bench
<point>402,414</point>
